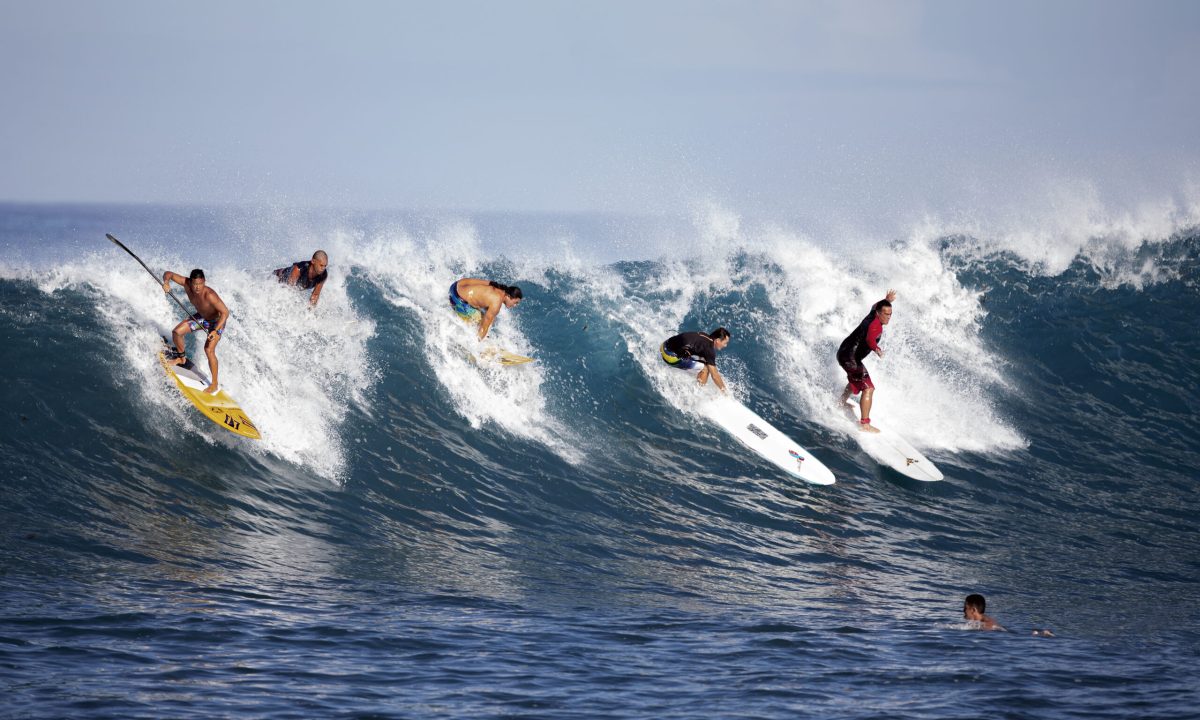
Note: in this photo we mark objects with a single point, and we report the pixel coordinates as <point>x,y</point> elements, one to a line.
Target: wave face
<point>417,535</point>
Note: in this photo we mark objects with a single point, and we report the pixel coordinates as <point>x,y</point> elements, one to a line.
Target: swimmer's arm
<point>316,294</point>
<point>294,275</point>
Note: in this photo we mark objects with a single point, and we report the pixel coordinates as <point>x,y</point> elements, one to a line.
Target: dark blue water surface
<point>417,536</point>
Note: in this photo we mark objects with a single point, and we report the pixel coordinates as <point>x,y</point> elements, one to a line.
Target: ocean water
<point>418,536</point>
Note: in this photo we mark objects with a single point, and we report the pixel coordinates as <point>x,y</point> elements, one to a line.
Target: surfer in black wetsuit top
<point>307,274</point>
<point>857,346</point>
<point>685,350</point>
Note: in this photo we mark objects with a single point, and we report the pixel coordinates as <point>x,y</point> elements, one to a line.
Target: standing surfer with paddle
<point>860,343</point>
<point>211,314</point>
<point>480,301</point>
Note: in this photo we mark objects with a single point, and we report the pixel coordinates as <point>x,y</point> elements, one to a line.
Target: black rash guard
<point>303,282</point>
<point>863,340</point>
<point>694,345</point>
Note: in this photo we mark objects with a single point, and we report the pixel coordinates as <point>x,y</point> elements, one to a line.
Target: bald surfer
<point>307,274</point>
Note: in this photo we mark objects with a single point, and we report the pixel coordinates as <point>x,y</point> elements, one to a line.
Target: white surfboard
<point>764,439</point>
<point>887,448</point>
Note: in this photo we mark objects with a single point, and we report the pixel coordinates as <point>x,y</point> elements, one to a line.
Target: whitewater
<point>417,535</point>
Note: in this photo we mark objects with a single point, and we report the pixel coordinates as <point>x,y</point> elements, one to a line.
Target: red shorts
<point>857,376</point>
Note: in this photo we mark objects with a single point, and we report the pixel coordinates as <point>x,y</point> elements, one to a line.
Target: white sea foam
<point>416,274</point>
<point>1069,221</point>
<point>938,377</point>
<point>294,371</point>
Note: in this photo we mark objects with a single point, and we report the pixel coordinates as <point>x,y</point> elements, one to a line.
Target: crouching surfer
<point>480,301</point>
<point>685,350</point>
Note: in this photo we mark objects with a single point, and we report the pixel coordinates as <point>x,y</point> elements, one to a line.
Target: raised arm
<point>168,276</point>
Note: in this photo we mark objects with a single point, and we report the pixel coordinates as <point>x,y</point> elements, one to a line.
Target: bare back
<point>480,294</point>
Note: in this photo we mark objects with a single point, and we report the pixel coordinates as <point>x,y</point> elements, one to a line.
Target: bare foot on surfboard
<point>867,427</point>
<point>213,390</point>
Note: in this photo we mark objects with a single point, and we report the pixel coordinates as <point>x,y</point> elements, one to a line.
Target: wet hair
<point>197,274</point>
<point>975,600</point>
<point>320,255</point>
<point>719,334</point>
<point>882,304</point>
<point>512,291</point>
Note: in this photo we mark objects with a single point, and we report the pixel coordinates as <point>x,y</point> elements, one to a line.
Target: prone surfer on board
<point>857,345</point>
<point>683,351</point>
<point>480,301</point>
<point>307,274</point>
<point>211,314</point>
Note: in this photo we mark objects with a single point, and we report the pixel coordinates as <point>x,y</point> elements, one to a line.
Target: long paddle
<point>156,278</point>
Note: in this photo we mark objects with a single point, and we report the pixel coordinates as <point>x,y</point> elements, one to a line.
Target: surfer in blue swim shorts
<point>686,350</point>
<point>480,301</point>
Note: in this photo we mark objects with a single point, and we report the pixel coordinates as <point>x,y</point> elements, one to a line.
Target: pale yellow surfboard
<point>503,357</point>
<point>492,353</point>
<point>218,407</point>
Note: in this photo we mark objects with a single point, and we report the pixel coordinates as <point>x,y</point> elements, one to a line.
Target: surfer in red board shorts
<point>857,345</point>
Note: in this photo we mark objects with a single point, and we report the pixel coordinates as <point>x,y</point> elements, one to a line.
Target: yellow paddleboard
<point>219,407</point>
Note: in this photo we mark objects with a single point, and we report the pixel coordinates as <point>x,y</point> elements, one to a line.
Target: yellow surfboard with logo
<point>218,407</point>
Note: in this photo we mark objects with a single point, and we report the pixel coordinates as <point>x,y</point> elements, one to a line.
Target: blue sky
<point>788,108</point>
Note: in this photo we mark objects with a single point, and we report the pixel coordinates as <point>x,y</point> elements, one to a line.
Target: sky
<point>846,109</point>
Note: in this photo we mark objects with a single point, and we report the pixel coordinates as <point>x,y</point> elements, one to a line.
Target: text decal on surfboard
<point>754,429</point>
